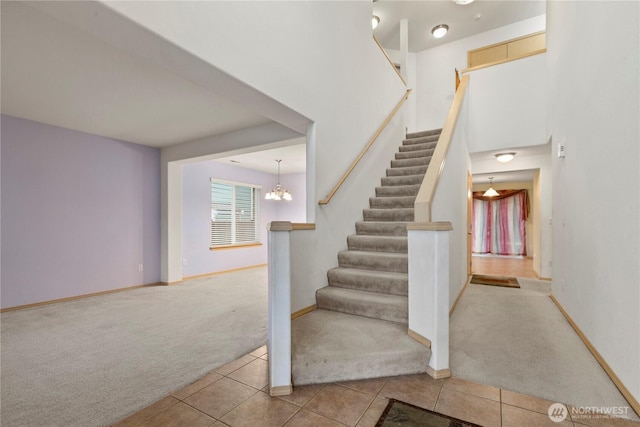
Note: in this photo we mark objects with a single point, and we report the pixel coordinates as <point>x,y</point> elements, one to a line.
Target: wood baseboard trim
<point>215,273</point>
<point>280,390</point>
<point>548,279</point>
<point>77,297</point>
<point>455,303</point>
<point>303,311</point>
<point>438,374</point>
<point>635,405</point>
<point>419,338</point>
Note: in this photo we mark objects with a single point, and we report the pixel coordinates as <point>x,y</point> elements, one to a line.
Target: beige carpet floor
<point>93,361</point>
<point>518,340</point>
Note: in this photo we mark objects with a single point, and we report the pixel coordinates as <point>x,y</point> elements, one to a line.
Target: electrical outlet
<point>139,267</point>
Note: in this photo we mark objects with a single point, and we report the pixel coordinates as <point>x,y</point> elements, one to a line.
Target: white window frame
<point>235,237</point>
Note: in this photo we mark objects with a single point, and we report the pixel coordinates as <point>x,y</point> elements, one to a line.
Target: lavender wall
<point>80,212</point>
<point>196,215</point>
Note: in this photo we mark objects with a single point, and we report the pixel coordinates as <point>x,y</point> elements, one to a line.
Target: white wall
<point>594,105</point>
<point>410,112</point>
<point>435,79</point>
<point>338,79</point>
<point>450,202</point>
<point>508,105</point>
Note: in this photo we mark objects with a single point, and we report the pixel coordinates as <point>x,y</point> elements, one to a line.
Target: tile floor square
<point>468,407</point>
<point>260,410</point>
<point>220,397</point>
<point>340,404</point>
<point>179,415</point>
<point>254,374</point>
<point>418,390</point>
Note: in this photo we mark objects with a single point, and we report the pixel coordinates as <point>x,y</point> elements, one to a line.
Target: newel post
<point>279,316</point>
<point>429,291</point>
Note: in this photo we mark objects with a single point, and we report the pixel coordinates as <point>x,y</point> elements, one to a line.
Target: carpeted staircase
<point>360,327</point>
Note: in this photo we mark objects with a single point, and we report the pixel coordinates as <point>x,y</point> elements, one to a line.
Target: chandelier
<point>491,192</point>
<point>278,193</point>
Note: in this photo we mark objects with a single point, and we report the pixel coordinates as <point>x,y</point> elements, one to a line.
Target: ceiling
<point>424,15</point>
<point>294,159</point>
<point>525,175</point>
<point>55,73</point>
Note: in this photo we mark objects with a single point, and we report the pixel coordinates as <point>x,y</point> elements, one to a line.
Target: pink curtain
<point>499,223</point>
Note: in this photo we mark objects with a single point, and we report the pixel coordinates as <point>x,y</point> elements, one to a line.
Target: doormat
<point>507,282</point>
<point>399,414</point>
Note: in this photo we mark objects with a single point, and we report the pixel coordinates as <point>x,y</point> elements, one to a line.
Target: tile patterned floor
<point>236,395</point>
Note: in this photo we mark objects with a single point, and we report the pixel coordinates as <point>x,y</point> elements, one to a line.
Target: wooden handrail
<point>366,148</point>
<point>389,59</point>
<point>424,200</point>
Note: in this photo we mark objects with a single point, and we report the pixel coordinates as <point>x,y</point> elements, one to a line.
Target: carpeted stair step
<point>393,308</point>
<point>403,155</point>
<point>402,180</point>
<point>418,147</point>
<point>421,134</point>
<point>358,242</point>
<point>404,171</point>
<point>391,202</point>
<point>388,282</point>
<point>421,140</point>
<point>381,228</point>
<point>400,214</point>
<point>398,191</point>
<point>328,346</point>
<point>381,261</point>
<point>415,161</point>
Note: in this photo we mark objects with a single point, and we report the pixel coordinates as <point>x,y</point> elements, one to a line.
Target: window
<point>234,214</point>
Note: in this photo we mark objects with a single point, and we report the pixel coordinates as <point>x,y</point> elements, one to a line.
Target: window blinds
<point>234,213</point>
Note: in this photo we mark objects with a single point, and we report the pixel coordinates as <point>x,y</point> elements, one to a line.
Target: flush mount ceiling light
<point>462,2</point>
<point>278,193</point>
<point>505,157</point>
<point>375,20</point>
<point>439,31</point>
<point>490,192</point>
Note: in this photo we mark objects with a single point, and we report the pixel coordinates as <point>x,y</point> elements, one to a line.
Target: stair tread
<point>371,273</point>
<point>330,346</point>
<point>389,282</point>
<point>375,254</point>
<point>421,134</point>
<point>364,296</point>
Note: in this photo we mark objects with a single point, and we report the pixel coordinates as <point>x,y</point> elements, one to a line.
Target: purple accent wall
<point>80,212</point>
<point>196,215</point>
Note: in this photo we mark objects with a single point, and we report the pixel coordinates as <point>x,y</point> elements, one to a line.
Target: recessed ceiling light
<point>505,157</point>
<point>462,2</point>
<point>439,31</point>
<point>375,20</point>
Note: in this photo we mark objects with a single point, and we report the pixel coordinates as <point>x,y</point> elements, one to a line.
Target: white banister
<point>279,309</point>
<point>429,291</point>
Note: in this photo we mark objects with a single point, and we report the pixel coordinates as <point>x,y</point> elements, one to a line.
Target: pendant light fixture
<point>278,193</point>
<point>490,192</point>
